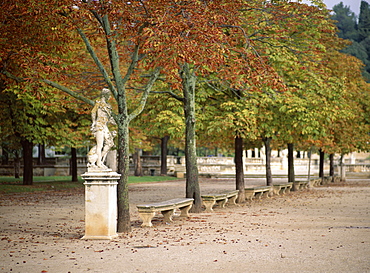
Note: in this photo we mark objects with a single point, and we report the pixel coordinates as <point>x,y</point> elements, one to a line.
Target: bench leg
<point>266,194</point>
<point>209,204</point>
<point>146,217</point>
<point>258,195</point>
<point>249,196</point>
<point>232,199</point>
<point>222,202</point>
<point>167,214</point>
<point>185,211</point>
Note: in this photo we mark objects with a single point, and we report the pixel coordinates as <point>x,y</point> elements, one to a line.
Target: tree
<point>122,38</point>
<point>22,62</point>
<point>131,43</point>
<point>308,106</point>
<point>345,21</point>
<point>192,185</point>
<point>284,38</point>
<point>293,47</point>
<point>200,48</point>
<point>364,21</point>
<point>164,152</point>
<point>349,132</point>
<point>162,120</point>
<point>239,169</point>
<point>230,119</point>
<point>85,18</point>
<point>364,34</point>
<point>358,34</point>
<point>28,120</point>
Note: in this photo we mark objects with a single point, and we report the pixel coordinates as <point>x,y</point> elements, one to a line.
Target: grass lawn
<point>47,183</point>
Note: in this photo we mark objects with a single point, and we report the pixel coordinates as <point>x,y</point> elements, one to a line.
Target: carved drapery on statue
<point>101,116</point>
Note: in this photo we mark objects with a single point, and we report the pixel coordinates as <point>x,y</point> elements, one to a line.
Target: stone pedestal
<point>100,204</point>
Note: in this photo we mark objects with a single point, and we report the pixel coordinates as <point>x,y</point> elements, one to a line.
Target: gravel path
<point>324,229</point>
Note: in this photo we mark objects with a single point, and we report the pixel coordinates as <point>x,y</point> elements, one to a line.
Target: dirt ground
<point>324,229</point>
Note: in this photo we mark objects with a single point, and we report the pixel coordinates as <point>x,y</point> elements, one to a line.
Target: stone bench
<point>315,182</point>
<point>337,179</point>
<point>327,180</point>
<point>300,185</point>
<point>259,192</point>
<point>281,189</point>
<point>167,208</point>
<point>209,200</point>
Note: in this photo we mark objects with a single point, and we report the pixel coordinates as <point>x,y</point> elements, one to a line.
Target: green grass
<point>53,183</point>
<point>144,179</point>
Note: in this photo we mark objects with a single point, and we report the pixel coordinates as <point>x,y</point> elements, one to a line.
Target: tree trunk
<point>164,141</point>
<point>123,221</point>
<point>239,169</point>
<point>27,162</point>
<point>331,171</point>
<point>74,164</point>
<point>342,169</point>
<point>267,142</point>
<point>5,157</point>
<point>291,175</point>
<point>192,183</point>
<point>309,165</point>
<point>321,165</point>
<point>17,164</point>
<point>137,163</point>
<point>41,158</point>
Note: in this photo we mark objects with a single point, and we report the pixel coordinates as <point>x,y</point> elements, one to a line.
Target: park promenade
<point>322,229</point>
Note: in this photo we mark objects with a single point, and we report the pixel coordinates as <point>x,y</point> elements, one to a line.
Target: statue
<point>101,116</point>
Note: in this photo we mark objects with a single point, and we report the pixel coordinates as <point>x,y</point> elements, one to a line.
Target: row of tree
<point>240,73</point>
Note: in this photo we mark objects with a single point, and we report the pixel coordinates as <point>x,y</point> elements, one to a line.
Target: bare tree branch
<point>179,98</point>
<point>146,92</point>
<point>69,91</point>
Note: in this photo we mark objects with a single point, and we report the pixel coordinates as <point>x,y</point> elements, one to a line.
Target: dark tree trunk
<point>164,141</point>
<point>41,157</point>
<point>74,164</point>
<point>321,165</point>
<point>342,169</point>
<point>309,165</point>
<point>137,163</point>
<point>17,164</point>
<point>27,162</point>
<point>123,221</point>
<point>5,157</point>
<point>291,175</point>
<point>192,184</point>
<point>267,142</point>
<point>239,170</point>
<point>331,172</point>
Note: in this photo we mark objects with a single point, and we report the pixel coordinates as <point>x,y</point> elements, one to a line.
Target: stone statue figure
<point>101,116</point>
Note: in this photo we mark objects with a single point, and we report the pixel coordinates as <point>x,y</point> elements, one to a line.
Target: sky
<point>353,4</point>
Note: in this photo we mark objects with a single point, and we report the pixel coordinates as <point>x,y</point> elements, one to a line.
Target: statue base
<point>100,205</point>
<point>95,169</point>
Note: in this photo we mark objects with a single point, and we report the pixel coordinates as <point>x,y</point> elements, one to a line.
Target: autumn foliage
<point>250,69</point>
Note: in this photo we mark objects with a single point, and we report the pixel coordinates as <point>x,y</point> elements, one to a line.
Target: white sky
<point>353,4</point>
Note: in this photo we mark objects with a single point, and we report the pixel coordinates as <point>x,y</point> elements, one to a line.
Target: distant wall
<point>206,165</point>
